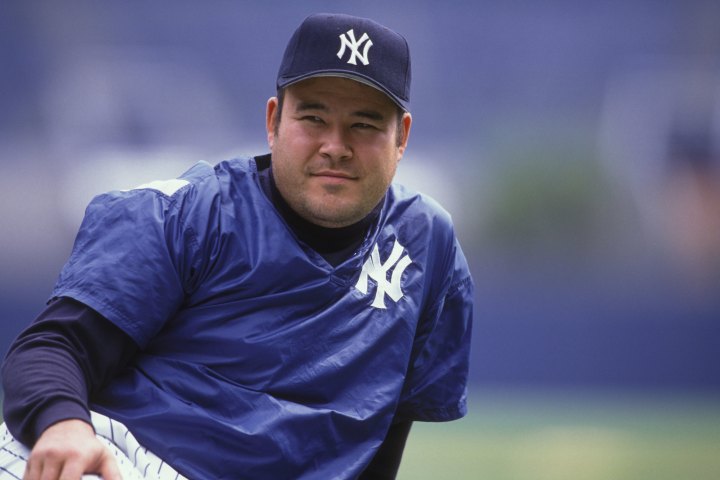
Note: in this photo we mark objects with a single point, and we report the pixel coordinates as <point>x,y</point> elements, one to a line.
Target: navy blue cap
<point>347,46</point>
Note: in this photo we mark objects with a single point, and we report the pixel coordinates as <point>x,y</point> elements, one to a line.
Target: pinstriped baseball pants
<point>134,461</point>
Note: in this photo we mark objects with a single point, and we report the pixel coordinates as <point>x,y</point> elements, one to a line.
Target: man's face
<point>336,148</point>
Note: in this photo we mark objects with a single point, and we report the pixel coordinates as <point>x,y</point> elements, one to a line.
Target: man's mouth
<point>334,175</point>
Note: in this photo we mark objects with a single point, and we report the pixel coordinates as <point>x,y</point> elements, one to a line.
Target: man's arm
<point>68,351</point>
<point>385,464</point>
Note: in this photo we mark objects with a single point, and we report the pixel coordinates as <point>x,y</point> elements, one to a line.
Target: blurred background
<point>576,144</point>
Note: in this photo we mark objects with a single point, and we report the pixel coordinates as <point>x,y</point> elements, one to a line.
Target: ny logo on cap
<point>348,40</point>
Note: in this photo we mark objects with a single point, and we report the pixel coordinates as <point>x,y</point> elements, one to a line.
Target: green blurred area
<point>531,435</point>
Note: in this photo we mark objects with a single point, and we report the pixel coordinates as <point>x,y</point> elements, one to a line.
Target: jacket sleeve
<point>435,389</point>
<point>56,363</point>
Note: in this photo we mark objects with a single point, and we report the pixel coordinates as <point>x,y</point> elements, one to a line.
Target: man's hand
<point>66,451</point>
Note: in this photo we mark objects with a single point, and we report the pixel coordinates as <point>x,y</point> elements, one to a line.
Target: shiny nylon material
<point>259,359</point>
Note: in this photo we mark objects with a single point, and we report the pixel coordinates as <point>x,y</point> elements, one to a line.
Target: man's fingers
<point>73,466</point>
<point>40,470</point>
<point>29,472</point>
<point>102,464</point>
<point>43,471</point>
<point>108,467</point>
<point>71,471</point>
<point>67,450</point>
<point>32,470</point>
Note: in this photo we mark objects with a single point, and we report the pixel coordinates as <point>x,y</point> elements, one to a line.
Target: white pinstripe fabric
<point>134,461</point>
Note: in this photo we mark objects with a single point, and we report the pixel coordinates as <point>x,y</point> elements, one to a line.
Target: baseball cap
<point>353,47</point>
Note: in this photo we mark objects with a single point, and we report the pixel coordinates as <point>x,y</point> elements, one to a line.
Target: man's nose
<point>336,144</point>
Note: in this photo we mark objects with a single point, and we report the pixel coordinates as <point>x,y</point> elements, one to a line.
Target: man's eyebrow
<point>304,106</point>
<point>370,115</point>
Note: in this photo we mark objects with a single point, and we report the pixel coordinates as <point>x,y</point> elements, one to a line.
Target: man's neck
<point>334,244</point>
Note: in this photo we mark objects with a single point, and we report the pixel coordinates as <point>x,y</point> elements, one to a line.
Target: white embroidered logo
<point>348,40</point>
<point>378,271</point>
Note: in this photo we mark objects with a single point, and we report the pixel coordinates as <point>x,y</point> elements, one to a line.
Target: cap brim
<point>285,82</point>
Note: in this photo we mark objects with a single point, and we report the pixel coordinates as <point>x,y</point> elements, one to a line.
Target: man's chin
<point>334,216</point>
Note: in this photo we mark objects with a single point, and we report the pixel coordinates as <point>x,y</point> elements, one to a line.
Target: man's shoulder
<point>422,216</point>
<point>206,175</point>
<point>205,182</point>
<point>425,221</point>
<point>223,188</point>
<point>408,203</point>
<point>195,192</point>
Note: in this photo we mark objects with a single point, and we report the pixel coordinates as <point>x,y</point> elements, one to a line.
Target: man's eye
<point>312,119</point>
<point>364,126</point>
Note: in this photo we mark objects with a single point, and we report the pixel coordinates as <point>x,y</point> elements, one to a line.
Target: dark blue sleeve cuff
<point>57,412</point>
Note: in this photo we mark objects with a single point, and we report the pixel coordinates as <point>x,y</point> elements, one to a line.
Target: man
<point>285,316</point>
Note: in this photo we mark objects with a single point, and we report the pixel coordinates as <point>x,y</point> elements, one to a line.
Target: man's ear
<point>405,124</point>
<point>270,121</point>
